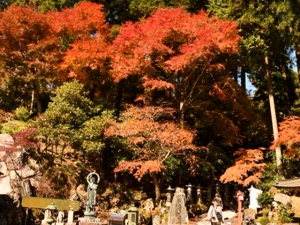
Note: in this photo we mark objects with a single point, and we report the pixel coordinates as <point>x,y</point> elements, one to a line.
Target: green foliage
<point>144,8</point>
<point>285,213</point>
<point>264,220</point>
<point>45,5</point>
<point>265,199</point>
<point>270,175</point>
<point>13,93</point>
<point>92,132</point>
<point>22,113</point>
<point>13,126</point>
<point>72,123</point>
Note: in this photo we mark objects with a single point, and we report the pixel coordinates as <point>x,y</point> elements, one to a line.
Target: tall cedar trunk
<point>273,117</point>
<point>297,50</point>
<point>243,77</point>
<point>35,96</point>
<point>157,183</point>
<point>36,87</point>
<point>235,74</point>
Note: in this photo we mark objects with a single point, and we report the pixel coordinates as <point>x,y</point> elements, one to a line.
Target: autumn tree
<point>174,58</point>
<point>184,65</point>
<point>84,34</point>
<point>288,139</point>
<point>153,140</point>
<point>28,51</point>
<point>247,169</point>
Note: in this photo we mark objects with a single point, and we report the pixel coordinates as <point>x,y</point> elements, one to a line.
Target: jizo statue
<point>93,180</point>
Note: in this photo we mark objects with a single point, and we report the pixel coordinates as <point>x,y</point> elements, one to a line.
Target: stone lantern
<point>50,211</point>
<point>133,215</point>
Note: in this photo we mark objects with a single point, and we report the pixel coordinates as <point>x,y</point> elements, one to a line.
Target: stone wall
<point>17,178</point>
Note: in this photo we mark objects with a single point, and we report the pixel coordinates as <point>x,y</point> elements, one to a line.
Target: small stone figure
<point>60,217</point>
<point>169,196</point>
<point>199,196</point>
<point>189,193</point>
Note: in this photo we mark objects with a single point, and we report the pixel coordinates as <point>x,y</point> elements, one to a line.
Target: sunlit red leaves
<point>86,25</point>
<point>289,136</point>
<point>142,125</point>
<point>91,54</point>
<point>157,84</point>
<point>247,169</point>
<point>23,30</point>
<point>80,21</point>
<point>173,40</point>
<point>28,43</point>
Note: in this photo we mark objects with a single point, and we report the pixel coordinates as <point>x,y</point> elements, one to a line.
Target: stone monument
<point>70,217</point>
<point>90,212</point>
<point>178,212</point>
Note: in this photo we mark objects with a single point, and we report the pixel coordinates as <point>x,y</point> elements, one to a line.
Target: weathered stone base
<point>92,223</point>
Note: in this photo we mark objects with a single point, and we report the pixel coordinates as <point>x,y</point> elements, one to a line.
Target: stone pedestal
<point>92,223</point>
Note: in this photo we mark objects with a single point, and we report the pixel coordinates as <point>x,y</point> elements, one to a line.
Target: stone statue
<point>60,217</point>
<point>92,189</point>
<point>91,196</point>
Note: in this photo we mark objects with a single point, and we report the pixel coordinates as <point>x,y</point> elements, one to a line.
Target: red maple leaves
<point>172,40</point>
<point>152,139</point>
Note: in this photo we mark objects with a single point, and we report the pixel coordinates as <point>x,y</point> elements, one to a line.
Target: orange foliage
<point>154,139</point>
<point>172,41</point>
<point>27,43</point>
<point>79,21</point>
<point>289,136</point>
<point>86,25</point>
<point>140,168</point>
<point>247,169</point>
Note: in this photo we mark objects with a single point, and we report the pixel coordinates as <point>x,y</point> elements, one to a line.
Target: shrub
<point>21,113</point>
<point>264,220</point>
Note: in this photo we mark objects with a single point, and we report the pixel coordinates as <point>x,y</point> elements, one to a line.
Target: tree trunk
<point>273,118</point>
<point>37,98</point>
<point>32,101</point>
<point>297,52</point>
<point>235,74</point>
<point>157,183</point>
<point>243,77</point>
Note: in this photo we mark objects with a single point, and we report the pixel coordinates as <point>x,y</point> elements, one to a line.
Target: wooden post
<point>240,199</point>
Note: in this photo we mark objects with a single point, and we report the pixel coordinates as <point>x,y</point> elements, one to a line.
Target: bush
<point>285,213</point>
<point>21,113</point>
<point>264,220</point>
<point>13,127</point>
